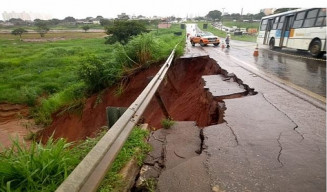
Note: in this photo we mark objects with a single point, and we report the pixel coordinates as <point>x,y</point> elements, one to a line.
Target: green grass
<point>55,27</point>
<point>167,123</point>
<point>35,168</point>
<point>44,167</point>
<point>50,76</point>
<point>113,181</point>
<point>239,24</point>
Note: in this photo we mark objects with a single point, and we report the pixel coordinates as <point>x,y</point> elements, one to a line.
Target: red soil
<point>14,123</point>
<point>182,93</point>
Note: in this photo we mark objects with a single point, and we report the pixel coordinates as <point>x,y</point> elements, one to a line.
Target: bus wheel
<point>272,44</point>
<point>314,48</point>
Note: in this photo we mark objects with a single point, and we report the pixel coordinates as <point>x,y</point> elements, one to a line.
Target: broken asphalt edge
<point>274,80</point>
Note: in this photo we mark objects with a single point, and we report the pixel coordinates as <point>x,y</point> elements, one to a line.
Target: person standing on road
<point>227,40</point>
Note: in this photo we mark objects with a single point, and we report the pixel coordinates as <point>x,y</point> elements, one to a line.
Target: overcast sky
<point>178,8</point>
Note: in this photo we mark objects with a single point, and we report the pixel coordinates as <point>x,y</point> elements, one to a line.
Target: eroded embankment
<point>14,123</point>
<point>182,93</point>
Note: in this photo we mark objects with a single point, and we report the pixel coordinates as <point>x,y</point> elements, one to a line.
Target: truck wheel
<point>216,44</point>
<point>202,44</point>
<point>193,44</point>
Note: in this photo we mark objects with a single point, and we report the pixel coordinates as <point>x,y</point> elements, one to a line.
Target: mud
<point>14,124</point>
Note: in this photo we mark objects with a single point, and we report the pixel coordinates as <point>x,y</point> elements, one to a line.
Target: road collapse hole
<point>185,97</point>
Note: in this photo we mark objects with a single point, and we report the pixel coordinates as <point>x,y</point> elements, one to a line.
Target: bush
<point>167,123</point>
<point>91,72</point>
<point>143,49</point>
<point>122,31</point>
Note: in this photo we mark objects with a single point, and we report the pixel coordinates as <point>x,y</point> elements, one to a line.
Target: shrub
<point>167,123</point>
<point>122,31</point>
<point>91,72</point>
<point>143,49</point>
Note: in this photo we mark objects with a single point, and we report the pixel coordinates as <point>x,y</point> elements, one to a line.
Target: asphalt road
<point>295,68</point>
<point>274,140</point>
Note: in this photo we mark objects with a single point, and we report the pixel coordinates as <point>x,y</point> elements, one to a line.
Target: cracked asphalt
<point>274,140</point>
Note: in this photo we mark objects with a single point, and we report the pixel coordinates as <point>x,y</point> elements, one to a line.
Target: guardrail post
<point>162,105</point>
<point>113,114</point>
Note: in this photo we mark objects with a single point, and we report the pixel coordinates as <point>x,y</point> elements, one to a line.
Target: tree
<point>105,22</point>
<point>122,31</point>
<point>99,17</point>
<point>69,19</point>
<point>19,32</point>
<point>258,16</point>
<point>42,28</point>
<point>86,27</point>
<point>54,21</point>
<point>17,21</point>
<point>199,18</point>
<point>214,15</point>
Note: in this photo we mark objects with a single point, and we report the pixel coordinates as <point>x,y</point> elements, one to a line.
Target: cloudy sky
<point>178,8</point>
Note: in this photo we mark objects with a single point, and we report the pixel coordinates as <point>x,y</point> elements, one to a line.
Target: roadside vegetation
<point>167,123</point>
<point>43,167</point>
<point>52,76</point>
<point>58,76</point>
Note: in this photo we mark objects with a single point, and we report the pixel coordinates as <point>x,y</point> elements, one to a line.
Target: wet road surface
<point>270,141</point>
<point>295,67</point>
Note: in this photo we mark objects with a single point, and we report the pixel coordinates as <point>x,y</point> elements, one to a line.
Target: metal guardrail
<point>89,173</point>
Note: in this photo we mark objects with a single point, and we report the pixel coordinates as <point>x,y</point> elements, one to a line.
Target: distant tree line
<point>216,15</point>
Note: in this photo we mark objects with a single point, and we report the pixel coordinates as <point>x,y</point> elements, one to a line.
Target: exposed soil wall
<point>182,93</point>
<point>14,123</point>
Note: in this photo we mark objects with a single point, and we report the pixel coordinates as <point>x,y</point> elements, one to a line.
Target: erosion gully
<point>183,93</point>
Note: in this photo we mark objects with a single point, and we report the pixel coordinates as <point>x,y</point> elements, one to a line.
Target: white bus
<point>302,29</point>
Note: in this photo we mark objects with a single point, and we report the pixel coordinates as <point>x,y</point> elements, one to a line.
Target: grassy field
<point>50,35</point>
<point>53,27</point>
<point>47,74</point>
<point>239,24</point>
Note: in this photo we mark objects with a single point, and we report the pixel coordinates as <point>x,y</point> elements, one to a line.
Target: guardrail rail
<point>89,173</point>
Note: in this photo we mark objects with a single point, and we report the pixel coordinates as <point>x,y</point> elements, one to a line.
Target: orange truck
<point>204,38</point>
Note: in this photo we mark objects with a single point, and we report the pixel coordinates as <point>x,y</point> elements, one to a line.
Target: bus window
<point>321,18</point>
<point>311,18</point>
<point>275,23</point>
<point>282,19</point>
<point>270,24</point>
<point>263,25</point>
<point>281,23</point>
<point>299,20</point>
